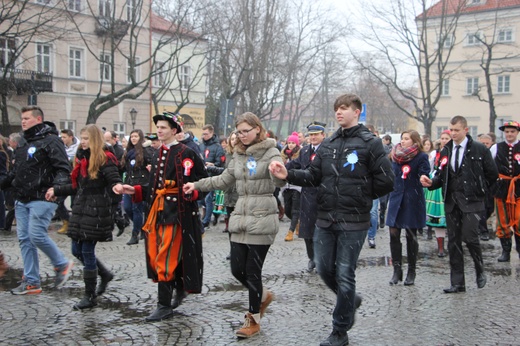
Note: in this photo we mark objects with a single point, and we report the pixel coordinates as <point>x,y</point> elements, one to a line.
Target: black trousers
<point>246,266</point>
<point>463,227</point>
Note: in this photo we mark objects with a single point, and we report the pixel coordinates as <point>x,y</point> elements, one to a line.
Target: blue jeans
<point>134,212</point>
<point>84,250</point>
<point>336,253</point>
<point>32,221</point>
<point>209,207</point>
<point>373,219</point>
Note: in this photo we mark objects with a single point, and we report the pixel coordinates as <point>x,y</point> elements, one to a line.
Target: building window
<point>44,2</point>
<point>473,131</point>
<point>448,41</point>
<point>120,129</point>
<point>505,35</point>
<point>7,50</point>
<point>159,78</point>
<point>185,76</point>
<point>472,86</point>
<point>43,57</point>
<point>445,87</point>
<point>76,63</point>
<point>135,72</point>
<point>473,39</point>
<point>503,84</point>
<point>440,129</point>
<point>105,8</point>
<point>68,125</point>
<point>476,2</point>
<point>131,8</point>
<point>105,67</point>
<point>74,5</point>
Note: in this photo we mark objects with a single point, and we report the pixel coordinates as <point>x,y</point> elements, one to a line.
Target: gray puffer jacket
<point>255,218</point>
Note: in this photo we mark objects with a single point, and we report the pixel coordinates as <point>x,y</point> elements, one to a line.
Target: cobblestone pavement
<point>301,315</point>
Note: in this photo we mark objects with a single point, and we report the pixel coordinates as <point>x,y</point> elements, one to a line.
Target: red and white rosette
<point>405,169</point>
<point>188,165</point>
<point>444,162</point>
<point>517,158</point>
<point>312,157</point>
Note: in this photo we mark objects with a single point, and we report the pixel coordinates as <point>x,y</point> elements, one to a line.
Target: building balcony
<point>116,28</point>
<point>24,81</point>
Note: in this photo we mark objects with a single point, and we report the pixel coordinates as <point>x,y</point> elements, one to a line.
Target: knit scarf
<point>290,152</point>
<point>403,155</point>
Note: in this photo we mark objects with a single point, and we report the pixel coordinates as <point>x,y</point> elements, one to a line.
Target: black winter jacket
<point>41,162</point>
<point>213,152</point>
<point>137,175</point>
<point>479,177</point>
<point>91,217</point>
<point>350,169</point>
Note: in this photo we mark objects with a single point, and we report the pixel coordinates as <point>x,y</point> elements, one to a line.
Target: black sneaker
<point>336,338</point>
<point>372,243</point>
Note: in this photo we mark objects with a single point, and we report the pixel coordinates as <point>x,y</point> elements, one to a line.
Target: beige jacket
<point>255,218</point>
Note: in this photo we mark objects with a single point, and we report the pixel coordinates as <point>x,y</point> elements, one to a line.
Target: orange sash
<point>164,243</point>
<point>511,200</point>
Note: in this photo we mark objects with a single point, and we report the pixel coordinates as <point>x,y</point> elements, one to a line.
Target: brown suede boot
<point>250,327</point>
<point>64,228</point>
<point>269,297</point>
<point>3,265</point>
<point>289,236</point>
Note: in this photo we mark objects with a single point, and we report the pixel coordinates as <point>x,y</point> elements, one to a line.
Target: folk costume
<point>173,228</point>
<point>507,195</point>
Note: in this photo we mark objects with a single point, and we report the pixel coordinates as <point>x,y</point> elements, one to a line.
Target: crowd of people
<point>337,191</point>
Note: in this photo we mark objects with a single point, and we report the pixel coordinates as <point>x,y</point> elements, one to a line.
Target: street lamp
<point>433,112</point>
<point>133,116</point>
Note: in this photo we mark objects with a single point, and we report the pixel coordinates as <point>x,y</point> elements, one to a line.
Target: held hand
<point>118,189</point>
<point>188,188</point>
<point>425,181</point>
<point>49,195</point>
<point>278,170</point>
<point>209,164</point>
<point>128,189</point>
<point>149,167</point>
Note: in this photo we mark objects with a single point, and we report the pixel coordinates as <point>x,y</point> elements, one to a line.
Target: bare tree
<point>20,23</point>
<point>493,60</point>
<point>244,54</point>
<point>121,32</point>
<point>404,53</point>
<point>307,38</point>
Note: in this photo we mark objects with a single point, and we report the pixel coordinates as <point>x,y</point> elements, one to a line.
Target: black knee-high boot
<point>164,308</point>
<point>89,300</point>
<point>397,256</point>
<point>105,275</point>
<point>412,249</point>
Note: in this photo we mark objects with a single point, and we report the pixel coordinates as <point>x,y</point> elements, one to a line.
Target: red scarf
<point>81,166</point>
<point>403,155</point>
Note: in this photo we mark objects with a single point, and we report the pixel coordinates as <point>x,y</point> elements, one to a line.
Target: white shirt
<point>461,152</point>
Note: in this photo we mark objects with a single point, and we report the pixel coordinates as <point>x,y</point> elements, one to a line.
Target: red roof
<point>158,23</point>
<point>452,6</point>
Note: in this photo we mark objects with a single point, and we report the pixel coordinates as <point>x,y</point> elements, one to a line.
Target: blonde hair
<point>97,153</point>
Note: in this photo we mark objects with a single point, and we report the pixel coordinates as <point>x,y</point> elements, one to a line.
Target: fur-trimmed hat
<point>294,138</point>
<point>173,118</point>
<point>510,123</point>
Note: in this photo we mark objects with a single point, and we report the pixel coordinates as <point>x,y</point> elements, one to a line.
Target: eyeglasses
<point>244,133</point>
